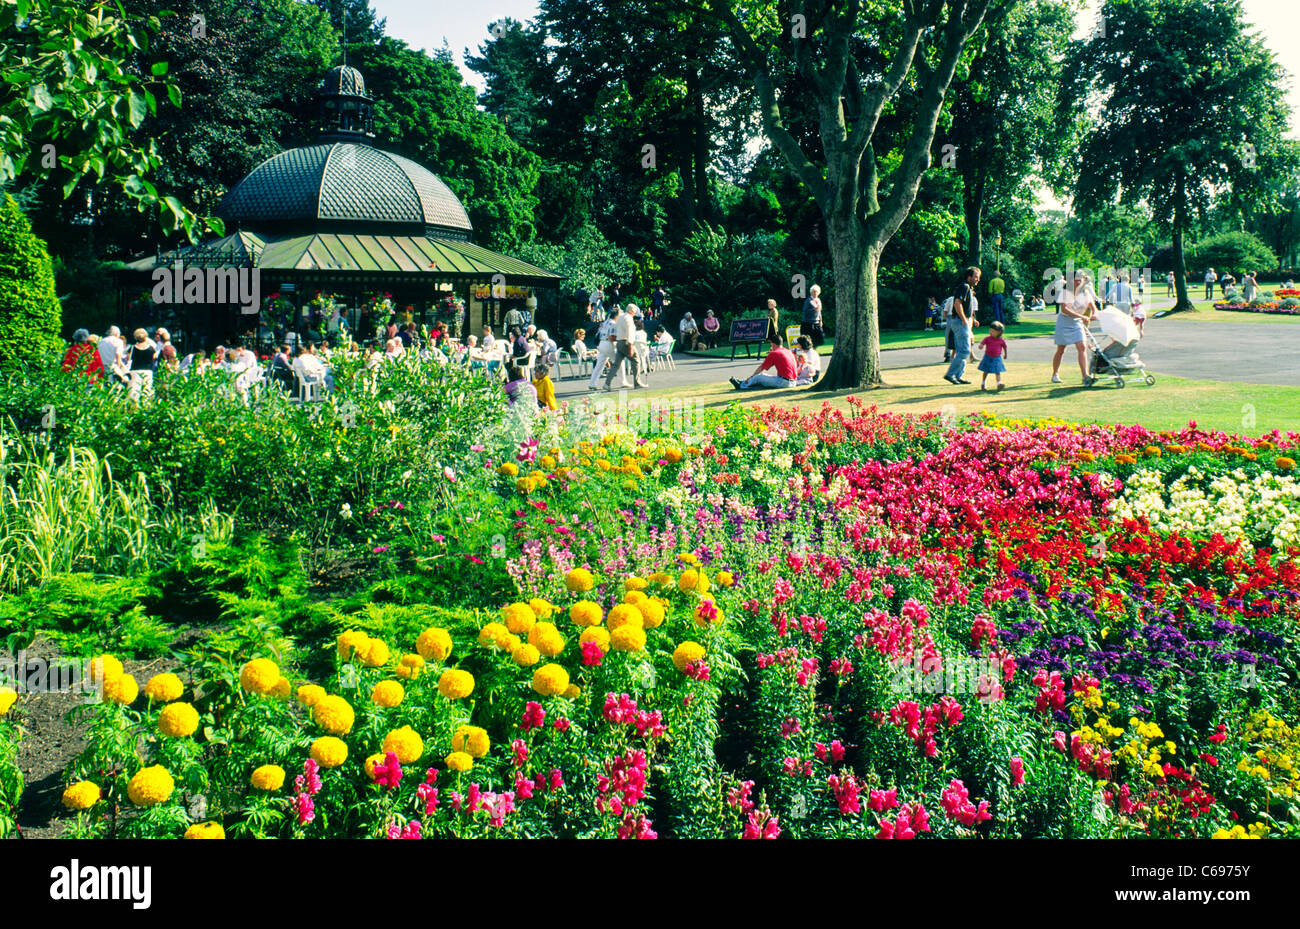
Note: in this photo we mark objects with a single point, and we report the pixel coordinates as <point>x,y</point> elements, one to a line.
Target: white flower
<point>346,511</point>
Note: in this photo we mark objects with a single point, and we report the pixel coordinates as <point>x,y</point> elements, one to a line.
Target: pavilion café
<point>333,238</point>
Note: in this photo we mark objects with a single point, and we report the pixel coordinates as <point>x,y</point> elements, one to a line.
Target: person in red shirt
<point>83,358</point>
<point>782,363</point>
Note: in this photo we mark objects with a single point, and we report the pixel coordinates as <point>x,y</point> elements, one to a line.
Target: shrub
<point>29,307</point>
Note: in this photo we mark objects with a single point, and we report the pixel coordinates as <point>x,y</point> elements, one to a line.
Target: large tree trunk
<point>855,361</point>
<point>1182,302</point>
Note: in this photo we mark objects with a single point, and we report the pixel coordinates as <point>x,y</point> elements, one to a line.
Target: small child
<point>545,388</point>
<point>932,315</point>
<point>995,349</point>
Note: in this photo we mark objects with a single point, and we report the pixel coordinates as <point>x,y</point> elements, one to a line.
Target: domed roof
<point>342,80</point>
<point>345,184</point>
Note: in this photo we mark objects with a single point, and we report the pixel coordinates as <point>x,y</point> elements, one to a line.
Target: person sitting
<point>690,332</point>
<point>194,362</point>
<point>519,389</point>
<point>785,370</point>
<point>520,347</point>
<point>310,369</point>
<point>579,349</point>
<point>83,358</point>
<point>712,327</point>
<point>545,388</point>
<point>546,347</point>
<point>488,338</point>
<point>282,368</point>
<point>810,362</point>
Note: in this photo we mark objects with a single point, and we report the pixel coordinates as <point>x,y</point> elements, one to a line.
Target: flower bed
<point>1269,306</point>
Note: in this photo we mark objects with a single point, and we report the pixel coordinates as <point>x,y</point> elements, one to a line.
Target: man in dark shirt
<point>657,301</point>
<point>960,323</point>
<point>783,364</point>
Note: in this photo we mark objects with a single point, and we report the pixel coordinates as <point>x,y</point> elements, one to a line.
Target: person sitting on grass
<point>782,362</point>
<point>810,362</point>
<point>995,350</point>
<point>545,388</point>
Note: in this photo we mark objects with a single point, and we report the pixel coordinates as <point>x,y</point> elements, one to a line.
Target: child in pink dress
<point>995,349</point>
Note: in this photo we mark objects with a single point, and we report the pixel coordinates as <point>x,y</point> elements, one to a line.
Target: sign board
<point>747,332</point>
<point>791,336</point>
<point>484,292</point>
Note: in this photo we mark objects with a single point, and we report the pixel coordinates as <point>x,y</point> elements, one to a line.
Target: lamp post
<point>997,240</point>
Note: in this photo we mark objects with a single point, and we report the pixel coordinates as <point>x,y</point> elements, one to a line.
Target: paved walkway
<point>1254,353</point>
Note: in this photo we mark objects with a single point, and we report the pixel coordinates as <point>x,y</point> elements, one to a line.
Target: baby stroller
<point>1119,359</point>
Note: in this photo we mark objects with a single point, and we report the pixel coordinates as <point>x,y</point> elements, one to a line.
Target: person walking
<point>811,318</point>
<point>997,287</point>
<point>995,350</point>
<point>111,348</point>
<point>605,348</point>
<point>624,348</point>
<point>1121,294</point>
<point>961,322</point>
<point>1072,317</point>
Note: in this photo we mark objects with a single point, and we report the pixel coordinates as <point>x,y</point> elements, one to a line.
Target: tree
<point>1188,103</point>
<point>29,308</point>
<point>854,64</point>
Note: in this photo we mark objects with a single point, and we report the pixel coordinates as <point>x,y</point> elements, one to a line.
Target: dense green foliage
<point>29,307</point>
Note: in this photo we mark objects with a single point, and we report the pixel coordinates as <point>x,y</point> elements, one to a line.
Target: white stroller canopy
<point>1118,325</point>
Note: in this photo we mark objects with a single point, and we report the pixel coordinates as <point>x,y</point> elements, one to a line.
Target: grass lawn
<point>1170,404</point>
<point>1205,312</point>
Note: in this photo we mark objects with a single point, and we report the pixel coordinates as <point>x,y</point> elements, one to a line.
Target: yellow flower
<point>150,786</point>
<point>546,639</point>
<point>349,642</point>
<point>269,777</point>
<point>178,720</point>
<point>8,697</point>
<point>373,654</point>
<point>81,795</point>
<point>460,761</point>
<point>281,689</point>
<point>375,759</point>
<point>624,615</point>
<point>597,634</point>
<point>635,583</point>
<point>550,680</point>
<point>661,579</point>
<point>1283,463</point>
<point>121,689</point>
<point>579,580</point>
<point>334,715</point>
<point>688,558</point>
<point>707,612</point>
<point>526,656</point>
<point>693,580</point>
<point>543,608</point>
<point>687,653</point>
<point>519,617</point>
<point>102,668</point>
<point>627,638</point>
<point>329,752</point>
<point>259,676</point>
<point>456,684</point>
<point>652,612</point>
<point>572,692</point>
<point>725,579</point>
<point>164,688</point>
<point>205,831</point>
<point>547,462</point>
<point>471,739</point>
<point>490,635</point>
<point>409,668</point>
<point>310,694</point>
<point>387,694</point>
<point>634,597</point>
<point>509,469</point>
<point>509,642</point>
<point>405,743</point>
<point>434,644</point>
<point>585,613</point>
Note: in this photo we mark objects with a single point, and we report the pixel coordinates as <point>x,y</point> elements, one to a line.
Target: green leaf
<point>159,68</point>
<point>41,98</point>
<point>174,94</point>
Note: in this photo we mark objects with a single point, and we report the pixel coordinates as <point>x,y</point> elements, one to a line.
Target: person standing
<point>624,348</point>
<point>606,345</point>
<point>1249,287</point>
<point>773,318</point>
<point>111,348</point>
<point>1169,284</point>
<point>1210,279</point>
<point>962,322</point>
<point>144,356</point>
<point>997,287</point>
<point>657,302</point>
<point>811,321</point>
<point>1122,294</point>
<point>995,351</point>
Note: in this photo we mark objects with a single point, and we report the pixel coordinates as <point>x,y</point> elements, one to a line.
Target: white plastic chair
<point>663,356</point>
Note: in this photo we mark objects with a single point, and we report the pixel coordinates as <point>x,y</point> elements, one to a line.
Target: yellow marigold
<point>374,654</point>
<point>579,580</point>
<point>259,676</point>
<point>178,720</point>
<point>1283,463</point>
<point>585,613</point>
<point>1125,459</point>
<point>688,558</point>
<point>518,617</point>
<point>329,752</point>
<point>334,715</point>
<point>526,656</point>
<point>490,635</point>
<point>725,579</point>
<point>205,831</point>
<point>1085,455</point>
<point>102,667</point>
<point>81,795</point>
<point>634,596</point>
<point>150,786</point>
<point>409,670</point>
<point>311,694</point>
<point>550,680</point>
<point>121,689</point>
<point>572,692</point>
<point>8,697</point>
<point>624,614</point>
<point>387,694</point>
<point>281,689</point>
<point>686,653</point>
<point>547,462</point>
<point>509,469</point>
<point>456,684</point>
<point>350,642</point>
<point>635,583</point>
<point>434,644</point>
<point>269,777</point>
<point>673,454</point>
<point>405,743</point>
<point>652,612</point>
<point>164,688</point>
<point>707,612</point>
<point>1264,445</point>
<point>597,634</point>
<point>629,638</point>
<point>370,762</point>
<point>546,639</point>
<point>694,580</point>
<point>471,739</point>
<point>460,761</point>
<point>543,608</point>
<point>1152,451</point>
